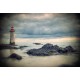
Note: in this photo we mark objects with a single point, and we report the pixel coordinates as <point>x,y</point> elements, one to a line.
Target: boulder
<point>22,47</point>
<point>46,50</point>
<point>49,49</point>
<point>69,49</point>
<point>48,46</point>
<point>15,56</point>
<point>37,43</point>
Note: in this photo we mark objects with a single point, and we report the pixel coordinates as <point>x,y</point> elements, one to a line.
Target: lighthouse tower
<point>12,36</point>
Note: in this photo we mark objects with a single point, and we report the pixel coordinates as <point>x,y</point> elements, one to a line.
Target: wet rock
<point>15,56</point>
<point>37,43</point>
<point>48,46</point>
<point>48,49</point>
<point>22,47</point>
<point>8,46</point>
<point>69,49</point>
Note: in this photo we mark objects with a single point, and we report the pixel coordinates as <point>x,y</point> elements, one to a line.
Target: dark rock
<point>56,47</point>
<point>15,56</point>
<point>21,47</point>
<point>37,43</point>
<point>15,47</point>
<point>8,46</point>
<point>40,52</point>
<point>49,49</point>
<point>69,49</point>
<point>48,46</point>
<point>46,50</point>
<point>4,46</point>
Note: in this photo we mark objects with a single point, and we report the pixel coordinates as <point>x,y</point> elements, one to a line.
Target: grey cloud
<point>42,24</point>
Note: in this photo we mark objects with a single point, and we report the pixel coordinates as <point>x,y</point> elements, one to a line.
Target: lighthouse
<point>12,36</point>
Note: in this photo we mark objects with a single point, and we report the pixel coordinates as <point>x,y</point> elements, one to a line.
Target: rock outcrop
<point>49,49</point>
<point>22,47</point>
<point>15,56</point>
<point>8,46</point>
<point>37,43</point>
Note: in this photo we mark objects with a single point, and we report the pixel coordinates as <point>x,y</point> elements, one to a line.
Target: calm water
<point>55,60</point>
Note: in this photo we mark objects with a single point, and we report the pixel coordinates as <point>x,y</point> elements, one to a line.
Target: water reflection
<point>37,61</point>
<point>12,51</point>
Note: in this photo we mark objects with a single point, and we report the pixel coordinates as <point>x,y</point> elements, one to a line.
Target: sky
<point>45,25</point>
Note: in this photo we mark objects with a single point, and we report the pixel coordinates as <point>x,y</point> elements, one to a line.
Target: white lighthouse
<point>12,36</point>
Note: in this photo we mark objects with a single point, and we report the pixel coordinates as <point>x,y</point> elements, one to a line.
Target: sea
<point>39,61</point>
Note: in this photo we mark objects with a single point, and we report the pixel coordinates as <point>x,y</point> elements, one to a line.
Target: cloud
<point>42,24</point>
<point>37,16</point>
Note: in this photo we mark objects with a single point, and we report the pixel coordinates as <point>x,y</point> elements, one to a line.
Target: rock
<point>37,43</point>
<point>48,46</point>
<point>69,49</point>
<point>49,49</point>
<point>15,47</point>
<point>56,47</point>
<point>21,47</point>
<point>46,50</point>
<point>15,56</point>
<point>8,46</point>
<point>38,52</point>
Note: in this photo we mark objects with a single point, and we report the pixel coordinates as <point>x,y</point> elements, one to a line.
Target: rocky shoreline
<point>46,50</point>
<point>8,46</point>
<point>50,49</point>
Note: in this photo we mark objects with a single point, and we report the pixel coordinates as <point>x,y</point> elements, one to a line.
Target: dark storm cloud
<point>42,24</point>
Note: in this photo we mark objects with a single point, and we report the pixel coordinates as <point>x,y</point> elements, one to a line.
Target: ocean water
<point>39,61</point>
